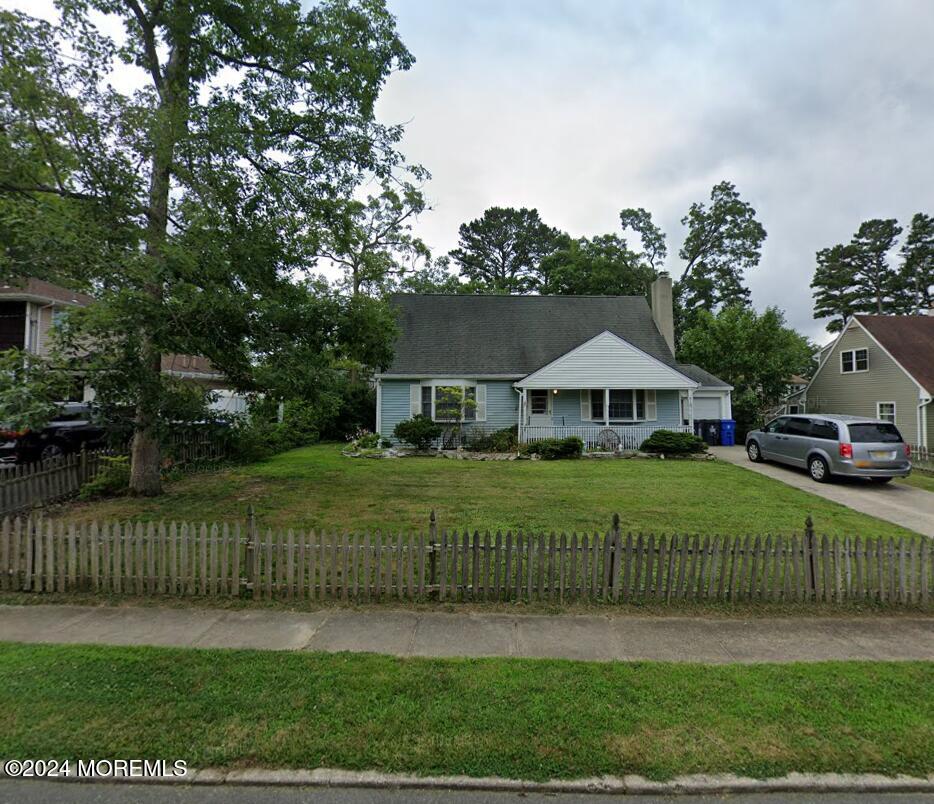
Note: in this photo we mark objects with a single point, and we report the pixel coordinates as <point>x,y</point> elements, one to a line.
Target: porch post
<point>691,409</point>
<point>606,407</point>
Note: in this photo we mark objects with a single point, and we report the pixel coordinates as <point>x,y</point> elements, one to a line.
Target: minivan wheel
<point>753,451</point>
<point>819,469</point>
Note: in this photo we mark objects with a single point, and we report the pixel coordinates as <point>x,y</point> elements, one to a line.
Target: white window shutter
<point>481,403</point>
<point>415,399</point>
<point>651,406</point>
<point>585,405</point>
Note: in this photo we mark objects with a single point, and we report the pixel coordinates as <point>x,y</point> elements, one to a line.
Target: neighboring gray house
<point>880,366</point>
<point>553,365</point>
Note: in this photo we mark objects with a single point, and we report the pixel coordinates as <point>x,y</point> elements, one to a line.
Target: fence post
<point>614,561</point>
<point>809,540</point>
<point>83,472</point>
<point>250,557</point>
<point>432,552</point>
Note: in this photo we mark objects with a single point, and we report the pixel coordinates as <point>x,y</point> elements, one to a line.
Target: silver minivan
<point>828,445</point>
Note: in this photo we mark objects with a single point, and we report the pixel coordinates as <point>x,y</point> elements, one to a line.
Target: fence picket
<point>137,557</point>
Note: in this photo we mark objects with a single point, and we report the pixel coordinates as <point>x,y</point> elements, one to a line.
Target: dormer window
<point>854,360</point>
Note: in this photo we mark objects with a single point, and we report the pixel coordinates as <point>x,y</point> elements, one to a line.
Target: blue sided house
<point>598,367</point>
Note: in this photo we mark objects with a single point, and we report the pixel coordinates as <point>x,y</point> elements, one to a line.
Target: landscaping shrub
<point>419,431</point>
<point>553,449</point>
<point>112,479</point>
<point>504,440</point>
<point>672,443</point>
<point>364,439</point>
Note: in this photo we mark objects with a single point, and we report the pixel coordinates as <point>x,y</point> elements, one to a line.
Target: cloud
<point>820,112</point>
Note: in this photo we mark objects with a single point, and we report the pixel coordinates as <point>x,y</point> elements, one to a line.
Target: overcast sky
<point>821,113</point>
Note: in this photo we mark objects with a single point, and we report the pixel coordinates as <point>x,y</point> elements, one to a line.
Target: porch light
<point>555,392</point>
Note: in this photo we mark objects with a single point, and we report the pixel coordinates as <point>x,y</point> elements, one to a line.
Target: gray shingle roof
<point>513,335</point>
<point>698,374</point>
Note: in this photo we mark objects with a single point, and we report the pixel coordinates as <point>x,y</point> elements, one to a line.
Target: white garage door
<point>706,407</point>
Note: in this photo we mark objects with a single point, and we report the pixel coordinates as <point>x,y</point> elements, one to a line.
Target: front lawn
<point>317,486</point>
<point>517,718</point>
<point>920,480</point>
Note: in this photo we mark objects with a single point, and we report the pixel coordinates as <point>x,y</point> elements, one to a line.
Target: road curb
<point>711,784</point>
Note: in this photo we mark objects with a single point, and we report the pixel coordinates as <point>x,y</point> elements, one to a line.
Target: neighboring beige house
<point>880,366</point>
<point>30,308</point>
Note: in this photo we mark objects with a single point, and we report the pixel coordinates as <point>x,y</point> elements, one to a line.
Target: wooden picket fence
<point>239,559</point>
<point>28,485</point>
<point>36,484</point>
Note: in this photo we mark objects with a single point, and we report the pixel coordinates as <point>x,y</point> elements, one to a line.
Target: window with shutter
<point>585,406</point>
<point>470,404</point>
<point>651,405</point>
<point>425,408</point>
<point>481,403</point>
<point>596,404</point>
<point>415,399</point>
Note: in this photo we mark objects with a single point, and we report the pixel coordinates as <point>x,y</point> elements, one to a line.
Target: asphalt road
<point>898,503</point>
<point>38,792</point>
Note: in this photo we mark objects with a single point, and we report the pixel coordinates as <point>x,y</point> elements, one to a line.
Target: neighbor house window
<point>854,360</point>
<point>885,411</point>
<point>538,402</point>
<point>596,404</point>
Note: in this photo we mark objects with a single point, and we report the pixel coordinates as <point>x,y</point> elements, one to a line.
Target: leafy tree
<point>602,266</point>
<point>654,248</point>
<point>833,283</point>
<point>917,269</point>
<point>187,204</point>
<point>877,283</point>
<point>754,353</point>
<point>435,277</point>
<point>724,239</point>
<point>502,250</point>
<point>858,277</point>
<point>373,241</point>
<point>30,388</point>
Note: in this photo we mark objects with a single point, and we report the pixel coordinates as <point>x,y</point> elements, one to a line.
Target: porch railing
<point>597,437</point>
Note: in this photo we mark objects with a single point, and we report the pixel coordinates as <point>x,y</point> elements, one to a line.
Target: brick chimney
<point>662,309</point>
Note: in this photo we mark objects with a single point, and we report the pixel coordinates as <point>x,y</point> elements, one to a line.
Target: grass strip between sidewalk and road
<point>516,718</point>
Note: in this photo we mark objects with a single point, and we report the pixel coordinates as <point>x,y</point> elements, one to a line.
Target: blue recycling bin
<point>727,432</point>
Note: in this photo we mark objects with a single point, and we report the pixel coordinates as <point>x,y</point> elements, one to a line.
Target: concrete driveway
<point>897,503</point>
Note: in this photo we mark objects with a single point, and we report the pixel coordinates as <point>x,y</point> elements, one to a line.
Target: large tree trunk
<point>171,124</point>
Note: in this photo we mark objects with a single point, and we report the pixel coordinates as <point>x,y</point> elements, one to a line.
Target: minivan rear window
<point>874,433</point>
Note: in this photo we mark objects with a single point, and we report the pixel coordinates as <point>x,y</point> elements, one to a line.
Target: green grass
<point>920,480</point>
<point>316,486</point>
<point>531,719</point>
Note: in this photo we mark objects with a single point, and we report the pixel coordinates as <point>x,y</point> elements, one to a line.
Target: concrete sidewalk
<point>408,633</point>
<point>898,503</point>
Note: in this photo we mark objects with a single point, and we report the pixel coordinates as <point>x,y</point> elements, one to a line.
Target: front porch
<point>604,437</point>
<point>605,419</point>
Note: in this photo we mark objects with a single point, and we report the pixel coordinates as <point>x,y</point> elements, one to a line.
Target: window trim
<point>435,383</point>
<point>634,401</point>
<point>879,415</point>
<point>547,394</point>
<point>853,352</point>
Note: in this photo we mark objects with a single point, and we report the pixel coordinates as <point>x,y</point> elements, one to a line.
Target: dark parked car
<point>72,428</point>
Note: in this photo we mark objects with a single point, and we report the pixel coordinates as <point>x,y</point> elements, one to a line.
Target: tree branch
<point>147,26</point>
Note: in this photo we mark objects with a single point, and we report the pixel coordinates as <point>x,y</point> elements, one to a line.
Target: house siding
<point>566,410</point>
<point>502,404</point>
<point>856,394</point>
<point>607,361</point>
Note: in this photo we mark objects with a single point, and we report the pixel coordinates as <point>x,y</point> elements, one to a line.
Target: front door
<point>539,407</point>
